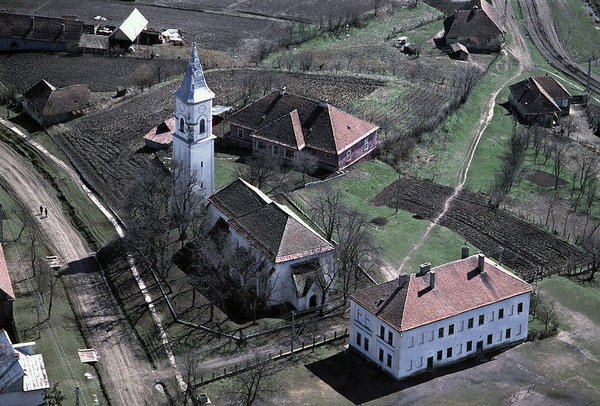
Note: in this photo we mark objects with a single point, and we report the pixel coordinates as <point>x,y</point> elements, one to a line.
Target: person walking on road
<point>41,210</point>
<point>46,210</point>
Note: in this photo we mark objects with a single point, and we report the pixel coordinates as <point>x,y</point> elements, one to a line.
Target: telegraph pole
<point>587,85</point>
<point>77,395</point>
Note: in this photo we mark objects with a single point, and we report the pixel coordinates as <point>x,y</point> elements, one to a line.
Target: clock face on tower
<point>180,109</point>
<point>201,109</point>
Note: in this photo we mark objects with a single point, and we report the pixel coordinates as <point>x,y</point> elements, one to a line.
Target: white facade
<point>441,342</point>
<point>281,284</point>
<point>193,140</point>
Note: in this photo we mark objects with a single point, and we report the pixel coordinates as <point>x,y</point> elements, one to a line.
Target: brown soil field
<point>102,74</point>
<point>527,249</point>
<point>107,146</point>
<point>209,29</point>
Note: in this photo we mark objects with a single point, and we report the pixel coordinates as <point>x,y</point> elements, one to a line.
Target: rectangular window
<point>519,331</point>
<point>380,355</point>
<point>461,325</point>
<point>261,146</point>
<point>411,342</point>
<point>469,346</point>
<point>439,355</point>
<point>511,309</point>
<point>201,164</point>
<point>419,362</point>
<point>492,316</point>
<point>391,338</point>
<point>520,307</point>
<point>470,323</point>
<point>240,133</point>
<point>459,350</point>
<point>481,319</point>
<point>389,361</point>
<point>366,145</point>
<point>275,150</point>
<point>507,333</point>
<point>366,344</point>
<point>367,321</point>
<point>408,365</point>
<point>430,335</point>
<point>501,313</point>
<point>489,338</point>
<point>451,329</point>
<point>422,338</point>
<point>358,314</point>
<point>201,185</point>
<point>382,332</point>
<point>358,337</point>
<point>289,154</point>
<point>448,352</point>
<point>441,332</point>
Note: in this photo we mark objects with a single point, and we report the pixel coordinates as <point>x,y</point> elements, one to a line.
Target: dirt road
<point>104,326</point>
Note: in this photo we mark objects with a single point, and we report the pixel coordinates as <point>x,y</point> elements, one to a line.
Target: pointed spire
<point>193,89</point>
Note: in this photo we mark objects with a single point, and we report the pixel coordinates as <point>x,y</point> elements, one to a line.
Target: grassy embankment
<point>60,336</point>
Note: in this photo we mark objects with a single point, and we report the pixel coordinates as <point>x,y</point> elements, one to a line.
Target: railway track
<point>540,27</point>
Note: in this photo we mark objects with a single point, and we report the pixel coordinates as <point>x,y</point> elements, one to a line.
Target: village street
<point>104,326</point>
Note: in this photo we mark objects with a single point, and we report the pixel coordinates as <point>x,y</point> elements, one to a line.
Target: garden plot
<point>527,249</point>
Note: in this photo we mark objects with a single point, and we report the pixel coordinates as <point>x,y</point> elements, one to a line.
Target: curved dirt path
<point>518,51</point>
<point>104,326</point>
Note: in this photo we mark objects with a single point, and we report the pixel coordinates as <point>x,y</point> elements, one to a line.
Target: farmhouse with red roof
<point>281,124</point>
<point>540,100</point>
<point>7,295</point>
<point>439,316</point>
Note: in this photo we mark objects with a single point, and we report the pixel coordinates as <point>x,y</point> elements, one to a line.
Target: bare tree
<point>306,59</point>
<point>259,381</point>
<point>327,210</point>
<point>306,163</point>
<point>558,152</point>
<point>143,76</point>
<point>250,85</point>
<point>249,273</point>
<point>260,170</point>
<point>355,249</point>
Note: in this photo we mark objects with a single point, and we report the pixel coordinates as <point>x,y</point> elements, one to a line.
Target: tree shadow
<point>361,381</point>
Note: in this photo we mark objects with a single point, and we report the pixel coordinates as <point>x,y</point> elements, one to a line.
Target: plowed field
<point>527,249</point>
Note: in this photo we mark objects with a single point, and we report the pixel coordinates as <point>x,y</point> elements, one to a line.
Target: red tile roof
<point>480,20</point>
<point>163,133</point>
<point>324,127</point>
<point>5,282</point>
<point>459,287</point>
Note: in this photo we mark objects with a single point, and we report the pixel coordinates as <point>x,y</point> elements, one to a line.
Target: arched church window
<point>202,126</point>
<point>181,125</point>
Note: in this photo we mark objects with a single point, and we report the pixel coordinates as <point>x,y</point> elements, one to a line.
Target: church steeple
<point>193,140</point>
<point>194,89</point>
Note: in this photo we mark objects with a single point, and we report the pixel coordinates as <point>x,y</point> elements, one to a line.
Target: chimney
<point>432,280</point>
<point>282,90</point>
<point>480,262</point>
<point>402,279</point>
<point>464,252</point>
<point>424,268</point>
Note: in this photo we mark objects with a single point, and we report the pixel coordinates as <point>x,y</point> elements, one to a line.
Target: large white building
<point>193,140</point>
<point>439,316</point>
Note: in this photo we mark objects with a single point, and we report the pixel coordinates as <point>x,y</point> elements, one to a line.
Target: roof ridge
<point>544,92</point>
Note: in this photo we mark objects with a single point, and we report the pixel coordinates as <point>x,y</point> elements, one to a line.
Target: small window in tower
<point>201,164</point>
<point>202,126</point>
<point>181,125</point>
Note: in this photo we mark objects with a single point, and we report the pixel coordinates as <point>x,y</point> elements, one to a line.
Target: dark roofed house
<point>540,100</point>
<point>439,315</point>
<point>296,257</point>
<point>20,32</point>
<point>281,124</point>
<point>477,28</point>
<point>49,105</point>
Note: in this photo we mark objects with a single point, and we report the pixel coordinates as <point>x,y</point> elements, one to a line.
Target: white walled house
<point>23,378</point>
<point>294,255</point>
<point>439,316</point>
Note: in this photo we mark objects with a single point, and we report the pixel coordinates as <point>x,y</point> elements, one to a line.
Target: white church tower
<point>193,140</point>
